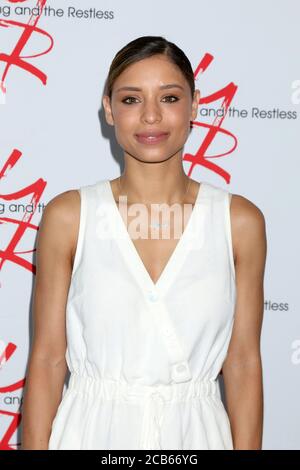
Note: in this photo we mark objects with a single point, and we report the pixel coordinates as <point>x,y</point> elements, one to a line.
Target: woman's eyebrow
<point>162,87</point>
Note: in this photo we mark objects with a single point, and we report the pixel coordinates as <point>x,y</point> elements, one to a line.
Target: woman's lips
<point>153,139</point>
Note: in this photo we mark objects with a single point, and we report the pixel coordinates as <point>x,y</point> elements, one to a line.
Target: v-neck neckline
<point>133,257</point>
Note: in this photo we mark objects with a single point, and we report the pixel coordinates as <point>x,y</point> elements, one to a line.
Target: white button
<point>152,296</point>
<point>180,372</point>
<point>168,332</point>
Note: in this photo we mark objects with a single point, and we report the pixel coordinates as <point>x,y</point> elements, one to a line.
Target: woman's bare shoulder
<point>64,205</point>
<point>247,222</point>
<point>61,218</point>
<point>245,211</point>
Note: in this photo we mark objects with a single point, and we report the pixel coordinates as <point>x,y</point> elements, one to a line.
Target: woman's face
<point>151,108</point>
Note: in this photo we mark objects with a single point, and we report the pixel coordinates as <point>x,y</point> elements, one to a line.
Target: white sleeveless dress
<point>145,357</point>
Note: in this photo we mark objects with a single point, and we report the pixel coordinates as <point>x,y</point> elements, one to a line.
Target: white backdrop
<point>54,137</point>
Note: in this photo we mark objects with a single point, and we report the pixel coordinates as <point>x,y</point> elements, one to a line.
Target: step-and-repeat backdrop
<point>54,58</point>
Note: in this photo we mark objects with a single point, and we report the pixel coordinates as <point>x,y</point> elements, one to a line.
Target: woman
<point>152,317</point>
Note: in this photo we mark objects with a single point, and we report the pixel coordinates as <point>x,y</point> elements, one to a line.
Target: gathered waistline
<point>154,399</point>
<point>112,389</point>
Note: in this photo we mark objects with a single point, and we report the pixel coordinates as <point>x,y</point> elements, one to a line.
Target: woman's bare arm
<point>242,369</point>
<point>56,242</point>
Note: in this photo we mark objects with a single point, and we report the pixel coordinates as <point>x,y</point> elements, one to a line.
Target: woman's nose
<point>151,111</point>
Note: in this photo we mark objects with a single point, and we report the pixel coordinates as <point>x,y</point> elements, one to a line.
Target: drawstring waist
<point>153,398</point>
<point>109,389</point>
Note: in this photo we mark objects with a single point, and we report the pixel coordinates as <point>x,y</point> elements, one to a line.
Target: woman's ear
<point>107,110</point>
<point>195,104</point>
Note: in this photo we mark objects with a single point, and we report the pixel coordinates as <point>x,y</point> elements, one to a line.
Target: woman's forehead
<point>163,72</point>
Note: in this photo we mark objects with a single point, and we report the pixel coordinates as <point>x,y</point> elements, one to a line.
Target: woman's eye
<point>128,98</point>
<point>125,100</point>
<point>172,96</point>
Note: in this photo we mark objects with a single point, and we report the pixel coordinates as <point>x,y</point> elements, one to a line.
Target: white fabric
<point>145,357</point>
